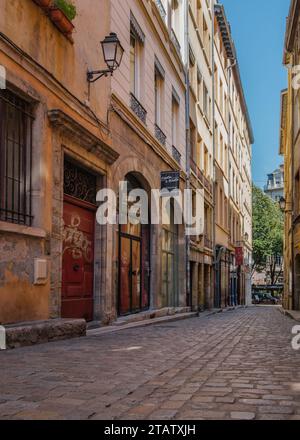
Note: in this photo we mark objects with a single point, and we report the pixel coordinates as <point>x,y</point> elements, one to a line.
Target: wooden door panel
<point>78,261</point>
<point>125,279</point>
<point>136,275</point>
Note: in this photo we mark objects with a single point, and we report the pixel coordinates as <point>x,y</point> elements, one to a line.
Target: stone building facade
<point>290,148</point>
<point>220,159</point>
<point>56,261</point>
<point>47,123</point>
<point>148,129</point>
<point>201,148</point>
<point>63,140</point>
<point>275,184</point>
<point>233,177</point>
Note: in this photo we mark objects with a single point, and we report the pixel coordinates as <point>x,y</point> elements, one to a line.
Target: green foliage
<point>268,229</point>
<point>67,7</point>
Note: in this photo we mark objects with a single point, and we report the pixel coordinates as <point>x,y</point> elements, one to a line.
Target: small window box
<point>61,21</point>
<point>61,13</point>
<point>43,3</point>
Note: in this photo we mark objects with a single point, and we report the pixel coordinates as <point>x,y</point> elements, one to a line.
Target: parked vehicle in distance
<point>264,298</point>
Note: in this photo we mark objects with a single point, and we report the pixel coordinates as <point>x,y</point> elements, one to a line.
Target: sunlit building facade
<point>175,104</point>
<point>289,148</point>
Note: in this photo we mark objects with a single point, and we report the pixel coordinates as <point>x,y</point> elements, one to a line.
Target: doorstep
<point>142,316</point>
<point>121,324</point>
<point>294,314</point>
<point>40,332</point>
<point>152,317</point>
<point>152,314</point>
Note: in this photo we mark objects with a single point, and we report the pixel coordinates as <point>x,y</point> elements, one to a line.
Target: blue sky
<point>258,28</point>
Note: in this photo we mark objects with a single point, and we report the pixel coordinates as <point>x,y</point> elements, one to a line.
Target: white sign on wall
<point>2,338</point>
<point>2,78</point>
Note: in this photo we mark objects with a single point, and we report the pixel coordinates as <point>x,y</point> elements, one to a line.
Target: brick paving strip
<point>237,365</point>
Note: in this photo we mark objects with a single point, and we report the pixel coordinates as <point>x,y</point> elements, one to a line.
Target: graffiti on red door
<point>76,242</point>
<point>78,260</point>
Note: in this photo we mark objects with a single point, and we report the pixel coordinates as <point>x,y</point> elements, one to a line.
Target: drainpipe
<point>188,144</point>
<point>212,6</point>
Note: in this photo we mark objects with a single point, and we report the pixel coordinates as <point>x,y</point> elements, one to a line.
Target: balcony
<point>138,109</point>
<point>272,186</point>
<point>196,169</point>
<point>208,185</point>
<point>160,135</point>
<point>208,244</point>
<point>176,155</point>
<point>161,9</point>
<point>205,182</point>
<point>175,41</point>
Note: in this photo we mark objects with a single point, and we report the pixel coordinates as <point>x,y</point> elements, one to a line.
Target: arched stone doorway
<point>297,283</point>
<point>134,260</point>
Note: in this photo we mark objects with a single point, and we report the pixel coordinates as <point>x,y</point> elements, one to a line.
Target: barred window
<point>15,159</point>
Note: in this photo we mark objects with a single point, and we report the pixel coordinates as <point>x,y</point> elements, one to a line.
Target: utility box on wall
<point>40,272</point>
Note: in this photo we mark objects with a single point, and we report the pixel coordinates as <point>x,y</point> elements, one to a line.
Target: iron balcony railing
<point>205,182</point>
<point>161,9</point>
<point>176,155</point>
<point>160,135</point>
<point>208,244</point>
<point>175,41</point>
<point>137,108</point>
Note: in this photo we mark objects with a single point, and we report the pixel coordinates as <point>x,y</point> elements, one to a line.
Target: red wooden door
<point>78,259</point>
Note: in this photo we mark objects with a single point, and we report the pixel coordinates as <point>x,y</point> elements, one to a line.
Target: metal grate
<point>15,159</point>
<point>138,109</point>
<point>176,155</point>
<point>160,135</point>
<point>175,41</point>
<point>79,183</point>
<point>161,9</point>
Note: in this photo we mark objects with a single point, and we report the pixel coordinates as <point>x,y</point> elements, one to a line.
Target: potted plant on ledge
<point>62,13</point>
<point>43,3</point>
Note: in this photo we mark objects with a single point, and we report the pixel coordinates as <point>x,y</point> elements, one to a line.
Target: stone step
<point>39,332</point>
<point>152,317</point>
<point>141,323</point>
<point>152,314</point>
<point>293,314</point>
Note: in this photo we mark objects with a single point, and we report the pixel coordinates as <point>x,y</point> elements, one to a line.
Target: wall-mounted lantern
<point>112,54</point>
<point>283,205</point>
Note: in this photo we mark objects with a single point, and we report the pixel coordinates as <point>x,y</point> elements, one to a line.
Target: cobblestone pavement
<point>234,365</point>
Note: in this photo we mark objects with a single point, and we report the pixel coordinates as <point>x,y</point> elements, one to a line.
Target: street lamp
<point>283,205</point>
<point>112,54</point>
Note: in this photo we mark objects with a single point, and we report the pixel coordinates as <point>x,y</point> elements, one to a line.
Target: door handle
<point>76,267</point>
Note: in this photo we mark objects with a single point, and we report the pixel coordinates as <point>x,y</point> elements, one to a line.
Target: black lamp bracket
<point>93,76</point>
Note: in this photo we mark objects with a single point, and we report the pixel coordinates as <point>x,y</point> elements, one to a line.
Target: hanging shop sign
<point>239,256</point>
<point>170,181</point>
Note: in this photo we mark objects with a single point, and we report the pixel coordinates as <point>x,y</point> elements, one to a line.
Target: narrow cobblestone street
<point>233,365</point>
